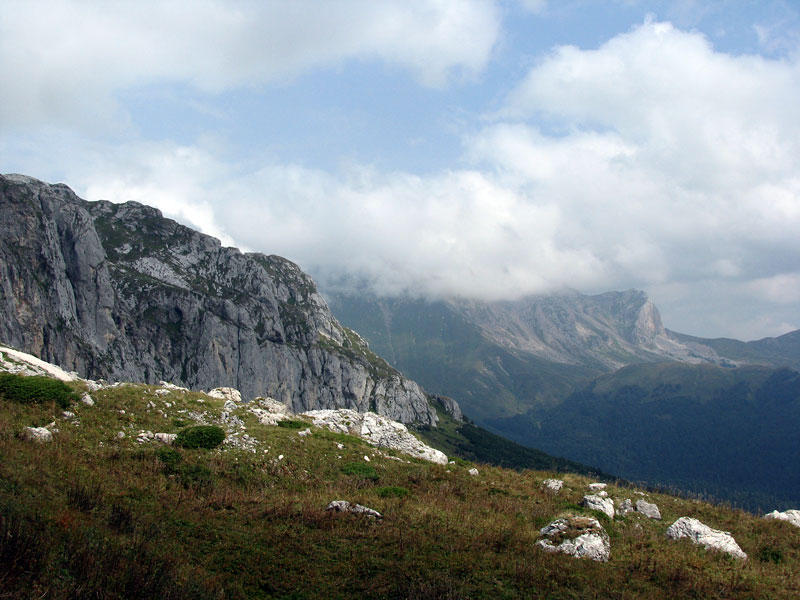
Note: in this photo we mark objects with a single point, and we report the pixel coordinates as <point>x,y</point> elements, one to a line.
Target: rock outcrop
<point>598,502</point>
<point>356,509</point>
<point>580,537</point>
<point>648,509</point>
<point>792,516</point>
<point>118,292</point>
<point>377,430</point>
<point>702,534</point>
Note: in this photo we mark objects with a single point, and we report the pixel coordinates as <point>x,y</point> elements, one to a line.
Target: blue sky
<point>440,147</point>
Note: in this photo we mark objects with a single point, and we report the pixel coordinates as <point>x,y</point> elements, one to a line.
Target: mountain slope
<point>727,433</point>
<point>119,292</point>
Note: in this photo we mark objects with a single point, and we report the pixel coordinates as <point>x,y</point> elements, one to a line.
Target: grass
<point>94,515</point>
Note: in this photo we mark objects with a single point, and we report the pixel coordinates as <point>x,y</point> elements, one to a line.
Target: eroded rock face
<point>580,537</point>
<point>377,430</point>
<point>132,296</point>
<point>792,516</point>
<point>702,534</point>
<point>598,502</point>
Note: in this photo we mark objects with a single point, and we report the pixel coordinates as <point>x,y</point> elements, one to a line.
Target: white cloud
<point>67,59</point>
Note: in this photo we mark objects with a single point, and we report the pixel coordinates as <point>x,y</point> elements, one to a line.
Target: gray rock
<point>554,485</point>
<point>597,502</point>
<point>580,537</point>
<point>791,515</point>
<point>473,471</point>
<point>226,393</point>
<point>648,509</point>
<point>132,296</point>
<point>37,434</point>
<point>358,509</point>
<point>87,399</point>
<point>625,507</point>
<point>702,534</point>
<point>597,487</point>
<point>165,438</point>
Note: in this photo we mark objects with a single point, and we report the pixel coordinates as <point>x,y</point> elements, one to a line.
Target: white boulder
<point>473,471</point>
<point>702,534</point>
<point>597,487</point>
<point>37,434</point>
<point>793,516</point>
<point>87,399</point>
<point>554,485</point>
<point>597,502</point>
<point>226,393</point>
<point>580,537</point>
<point>165,438</point>
<point>357,509</point>
<point>269,411</point>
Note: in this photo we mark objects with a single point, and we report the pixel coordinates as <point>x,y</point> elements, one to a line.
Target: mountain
<point>720,432</point>
<point>116,291</point>
<point>599,380</point>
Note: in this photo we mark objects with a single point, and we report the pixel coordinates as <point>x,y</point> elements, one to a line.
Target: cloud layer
<point>651,161</point>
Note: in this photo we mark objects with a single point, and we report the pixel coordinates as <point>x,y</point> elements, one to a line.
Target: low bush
<point>360,470</point>
<point>392,491</point>
<point>292,424</point>
<point>35,388</point>
<point>200,436</point>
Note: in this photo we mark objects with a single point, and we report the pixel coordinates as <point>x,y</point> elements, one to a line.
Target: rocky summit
<point>118,292</point>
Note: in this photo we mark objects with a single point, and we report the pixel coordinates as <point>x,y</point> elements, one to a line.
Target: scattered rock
<point>226,393</point>
<point>648,509</point>
<point>87,399</point>
<point>597,502</point>
<point>793,516</point>
<point>596,487</point>
<point>67,414</point>
<point>162,392</point>
<point>269,411</point>
<point>699,533</point>
<point>366,458</point>
<point>358,509</point>
<point>165,438</point>
<point>37,434</point>
<point>305,432</point>
<point>625,507</point>
<point>120,435</point>
<point>553,484</point>
<point>473,471</point>
<point>578,537</point>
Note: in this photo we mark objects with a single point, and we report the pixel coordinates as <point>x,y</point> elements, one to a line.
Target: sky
<point>474,148</point>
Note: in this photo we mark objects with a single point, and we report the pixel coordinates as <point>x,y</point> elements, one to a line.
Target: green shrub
<point>200,436</point>
<point>169,456</point>
<point>360,470</point>
<point>35,388</point>
<point>770,554</point>
<point>291,424</point>
<point>392,491</point>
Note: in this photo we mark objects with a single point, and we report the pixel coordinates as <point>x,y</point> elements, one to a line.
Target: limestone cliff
<point>117,291</point>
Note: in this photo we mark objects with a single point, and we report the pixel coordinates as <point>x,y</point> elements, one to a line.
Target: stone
<point>41,435</point>
<point>791,515</point>
<point>473,471</point>
<point>711,539</point>
<point>625,507</point>
<point>357,509</point>
<point>162,392</point>
<point>269,411</point>
<point>596,502</point>
<point>67,414</point>
<point>87,399</point>
<point>226,393</point>
<point>165,438</point>
<point>596,487</point>
<point>648,509</point>
<point>554,485</point>
<point>579,537</point>
<point>120,435</point>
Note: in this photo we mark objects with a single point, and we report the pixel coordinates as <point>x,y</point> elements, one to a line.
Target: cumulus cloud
<point>67,59</point>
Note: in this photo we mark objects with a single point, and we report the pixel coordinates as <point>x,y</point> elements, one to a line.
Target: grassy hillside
<point>95,515</point>
<point>724,433</point>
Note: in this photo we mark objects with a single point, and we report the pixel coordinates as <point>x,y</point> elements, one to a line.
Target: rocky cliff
<point>117,291</point>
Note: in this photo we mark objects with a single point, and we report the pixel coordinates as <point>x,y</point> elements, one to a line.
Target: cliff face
<point>119,292</point>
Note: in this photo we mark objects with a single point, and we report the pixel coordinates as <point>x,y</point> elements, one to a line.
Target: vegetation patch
<point>35,389</point>
<point>292,424</point>
<point>361,470</point>
<point>392,491</point>
<point>200,436</point>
